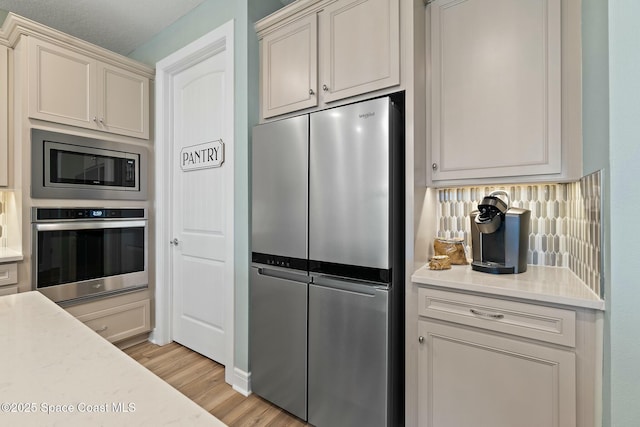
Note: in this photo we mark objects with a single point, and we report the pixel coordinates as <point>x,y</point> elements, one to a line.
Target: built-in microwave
<point>74,167</point>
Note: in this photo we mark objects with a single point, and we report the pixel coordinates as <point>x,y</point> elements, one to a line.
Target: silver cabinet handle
<point>434,166</point>
<point>102,120</point>
<point>95,119</point>
<point>97,286</point>
<point>311,92</point>
<point>325,88</point>
<point>104,328</point>
<point>484,314</point>
<point>174,242</point>
<point>420,339</point>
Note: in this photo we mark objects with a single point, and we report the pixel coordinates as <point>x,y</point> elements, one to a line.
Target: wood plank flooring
<point>202,380</point>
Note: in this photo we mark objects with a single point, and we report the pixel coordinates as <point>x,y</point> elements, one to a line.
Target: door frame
<point>215,42</point>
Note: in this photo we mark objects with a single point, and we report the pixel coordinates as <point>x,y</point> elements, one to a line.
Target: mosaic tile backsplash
<point>565,222</point>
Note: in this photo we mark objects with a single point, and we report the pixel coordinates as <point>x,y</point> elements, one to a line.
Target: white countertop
<point>48,358</point>
<point>543,284</point>
<point>9,255</point>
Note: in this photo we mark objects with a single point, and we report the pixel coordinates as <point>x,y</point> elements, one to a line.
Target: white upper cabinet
<point>360,49</point>
<point>68,87</point>
<point>496,89</point>
<point>4,114</point>
<point>317,52</point>
<point>289,67</point>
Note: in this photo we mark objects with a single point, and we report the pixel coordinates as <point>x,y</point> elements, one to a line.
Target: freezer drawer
<point>280,170</point>
<point>348,354</point>
<point>278,337</point>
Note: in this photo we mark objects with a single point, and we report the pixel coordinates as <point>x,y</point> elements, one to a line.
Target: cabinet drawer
<point>8,290</point>
<point>8,274</point>
<point>121,322</point>
<point>554,325</point>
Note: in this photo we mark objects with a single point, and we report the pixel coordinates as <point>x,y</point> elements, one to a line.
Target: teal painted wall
<point>622,371</point>
<point>206,17</point>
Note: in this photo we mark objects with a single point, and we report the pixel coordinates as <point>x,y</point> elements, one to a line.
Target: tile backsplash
<point>565,222</point>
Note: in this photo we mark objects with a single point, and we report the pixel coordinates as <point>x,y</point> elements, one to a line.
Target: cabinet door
<point>289,67</point>
<point>360,47</point>
<point>4,112</point>
<point>471,378</point>
<point>496,96</point>
<point>122,102</point>
<point>61,85</point>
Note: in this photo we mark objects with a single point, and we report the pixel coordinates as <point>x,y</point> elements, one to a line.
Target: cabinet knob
<point>102,120</point>
<point>434,166</point>
<point>174,242</point>
<point>325,88</point>
<point>95,119</point>
<point>311,92</point>
<point>420,339</point>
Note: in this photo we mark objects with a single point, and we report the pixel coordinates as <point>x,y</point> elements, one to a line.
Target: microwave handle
<point>87,225</point>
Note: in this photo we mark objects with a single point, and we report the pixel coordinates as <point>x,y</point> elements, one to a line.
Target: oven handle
<point>58,226</point>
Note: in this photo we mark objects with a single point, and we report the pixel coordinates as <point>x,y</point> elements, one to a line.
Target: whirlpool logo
<point>366,115</point>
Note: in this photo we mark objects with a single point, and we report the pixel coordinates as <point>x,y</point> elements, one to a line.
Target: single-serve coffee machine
<point>499,235</point>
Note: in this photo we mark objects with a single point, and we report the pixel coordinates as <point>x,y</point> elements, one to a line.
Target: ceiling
<point>118,25</point>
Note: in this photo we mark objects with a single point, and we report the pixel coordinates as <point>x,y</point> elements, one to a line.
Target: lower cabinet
<point>472,378</point>
<point>493,362</point>
<point>119,322</point>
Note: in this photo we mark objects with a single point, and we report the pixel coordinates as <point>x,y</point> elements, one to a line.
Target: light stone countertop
<point>537,284</point>
<point>47,358</point>
<point>9,255</point>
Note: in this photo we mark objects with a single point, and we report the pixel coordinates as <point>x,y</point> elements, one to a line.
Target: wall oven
<point>85,253</point>
<point>73,167</point>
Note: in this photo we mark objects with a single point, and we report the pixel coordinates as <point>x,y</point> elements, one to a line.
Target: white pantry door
<point>200,203</point>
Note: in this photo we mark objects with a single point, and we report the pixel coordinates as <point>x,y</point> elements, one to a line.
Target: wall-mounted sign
<point>202,156</point>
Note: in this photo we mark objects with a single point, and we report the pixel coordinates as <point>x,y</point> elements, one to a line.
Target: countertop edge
<point>521,294</point>
<point>9,255</point>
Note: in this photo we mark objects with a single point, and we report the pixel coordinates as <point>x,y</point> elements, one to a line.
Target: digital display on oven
<point>100,213</point>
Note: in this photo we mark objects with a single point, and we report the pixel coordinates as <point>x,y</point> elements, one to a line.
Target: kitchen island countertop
<point>542,284</point>
<point>56,371</point>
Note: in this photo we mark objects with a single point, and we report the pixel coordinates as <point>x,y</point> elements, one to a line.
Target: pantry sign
<point>202,156</point>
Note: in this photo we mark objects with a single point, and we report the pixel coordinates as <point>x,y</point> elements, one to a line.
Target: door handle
<point>174,242</point>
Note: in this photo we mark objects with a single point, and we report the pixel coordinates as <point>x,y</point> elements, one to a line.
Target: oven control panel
<point>57,214</point>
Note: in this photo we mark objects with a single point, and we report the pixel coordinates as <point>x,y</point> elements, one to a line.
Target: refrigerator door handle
<point>357,286</point>
<point>280,274</point>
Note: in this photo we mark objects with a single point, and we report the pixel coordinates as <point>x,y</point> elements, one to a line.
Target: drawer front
<point>8,274</point>
<point>118,323</point>
<point>554,325</point>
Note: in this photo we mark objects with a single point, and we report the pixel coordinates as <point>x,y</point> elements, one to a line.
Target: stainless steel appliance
<point>74,167</point>
<point>82,253</point>
<point>499,235</point>
<point>328,204</point>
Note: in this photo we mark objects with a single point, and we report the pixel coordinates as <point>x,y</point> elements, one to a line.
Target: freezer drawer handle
<point>489,315</point>
<point>283,275</point>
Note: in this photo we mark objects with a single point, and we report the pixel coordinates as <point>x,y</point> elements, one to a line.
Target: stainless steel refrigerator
<point>326,287</point>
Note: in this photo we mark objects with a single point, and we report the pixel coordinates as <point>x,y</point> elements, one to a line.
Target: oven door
<point>80,260</point>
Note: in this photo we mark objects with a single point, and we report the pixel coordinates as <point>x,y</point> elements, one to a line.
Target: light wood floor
<point>202,380</point>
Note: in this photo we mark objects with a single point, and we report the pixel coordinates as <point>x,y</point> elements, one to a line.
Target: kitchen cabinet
<point>8,276</point>
<point>69,87</point>
<point>490,361</point>
<point>497,95</point>
<point>4,115</point>
<point>314,53</point>
<point>124,320</point>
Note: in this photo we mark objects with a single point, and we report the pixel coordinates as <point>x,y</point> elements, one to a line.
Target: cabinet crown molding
<point>16,26</point>
<point>289,13</point>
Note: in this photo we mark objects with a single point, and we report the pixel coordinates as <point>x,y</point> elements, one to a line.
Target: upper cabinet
<point>317,52</point>
<point>66,86</point>
<point>4,115</point>
<point>497,94</point>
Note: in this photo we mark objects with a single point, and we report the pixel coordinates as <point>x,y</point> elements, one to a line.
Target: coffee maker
<point>499,235</point>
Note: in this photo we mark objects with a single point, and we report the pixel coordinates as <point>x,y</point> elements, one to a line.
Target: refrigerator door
<point>349,185</point>
<point>348,360</point>
<point>280,188</point>
<point>278,337</point>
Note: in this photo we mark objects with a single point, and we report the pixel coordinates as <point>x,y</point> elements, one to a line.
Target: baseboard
<point>242,382</point>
